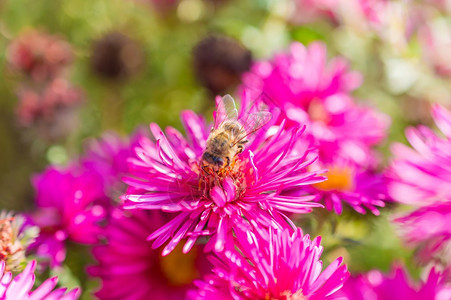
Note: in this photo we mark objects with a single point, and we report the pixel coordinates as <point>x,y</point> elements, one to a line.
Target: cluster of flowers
<point>45,95</point>
<point>197,221</point>
<point>420,179</point>
<point>344,132</point>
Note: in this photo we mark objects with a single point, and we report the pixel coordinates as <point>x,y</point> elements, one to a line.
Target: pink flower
<point>375,285</point>
<point>316,94</point>
<point>130,269</point>
<point>167,175</point>
<point>358,187</point>
<point>20,286</point>
<point>309,91</point>
<point>15,237</point>
<point>428,228</point>
<point>421,176</point>
<point>282,265</point>
<point>70,204</point>
<point>39,55</point>
<point>107,158</point>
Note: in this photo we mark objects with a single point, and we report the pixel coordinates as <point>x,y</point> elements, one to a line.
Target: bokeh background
<point>127,63</point>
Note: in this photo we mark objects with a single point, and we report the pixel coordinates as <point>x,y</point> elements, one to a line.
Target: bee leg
<point>204,168</point>
<point>228,161</point>
<point>233,162</point>
<point>240,148</point>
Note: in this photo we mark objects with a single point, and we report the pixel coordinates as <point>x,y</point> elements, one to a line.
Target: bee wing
<point>252,123</point>
<point>225,110</point>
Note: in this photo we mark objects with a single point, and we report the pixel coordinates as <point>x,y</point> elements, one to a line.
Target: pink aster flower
<point>39,55</point>
<point>130,269</point>
<point>20,286</point>
<point>168,175</point>
<point>107,157</point>
<point>358,187</point>
<point>375,285</point>
<point>302,75</point>
<point>283,265</point>
<point>310,91</point>
<point>428,228</point>
<point>315,93</point>
<point>70,204</point>
<point>421,176</point>
<point>15,237</point>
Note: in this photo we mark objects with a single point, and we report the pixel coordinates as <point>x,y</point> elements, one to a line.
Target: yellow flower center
<point>288,295</point>
<point>338,179</point>
<point>178,268</point>
<point>317,112</point>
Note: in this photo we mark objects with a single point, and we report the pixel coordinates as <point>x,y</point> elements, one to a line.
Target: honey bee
<point>229,135</point>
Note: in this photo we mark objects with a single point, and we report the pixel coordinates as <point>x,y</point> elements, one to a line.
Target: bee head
<point>213,159</point>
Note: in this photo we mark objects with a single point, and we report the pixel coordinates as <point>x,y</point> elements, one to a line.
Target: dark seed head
<point>116,57</point>
<point>219,62</point>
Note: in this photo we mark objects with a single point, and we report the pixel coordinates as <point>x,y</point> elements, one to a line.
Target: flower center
<point>11,249</point>
<point>178,268</point>
<point>209,178</point>
<point>6,237</point>
<point>288,295</point>
<point>338,179</point>
<point>317,112</point>
<point>296,296</point>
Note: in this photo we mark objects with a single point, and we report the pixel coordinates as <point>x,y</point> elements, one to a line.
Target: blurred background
<point>72,70</point>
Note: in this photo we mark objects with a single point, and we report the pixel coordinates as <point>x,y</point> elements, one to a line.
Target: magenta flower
<point>70,204</point>
<point>282,265</point>
<point>309,91</point>
<point>346,182</point>
<point>130,269</point>
<point>167,175</point>
<point>20,286</point>
<point>107,157</point>
<point>428,227</point>
<point>421,176</point>
<point>375,285</point>
<point>314,94</point>
<point>15,237</point>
